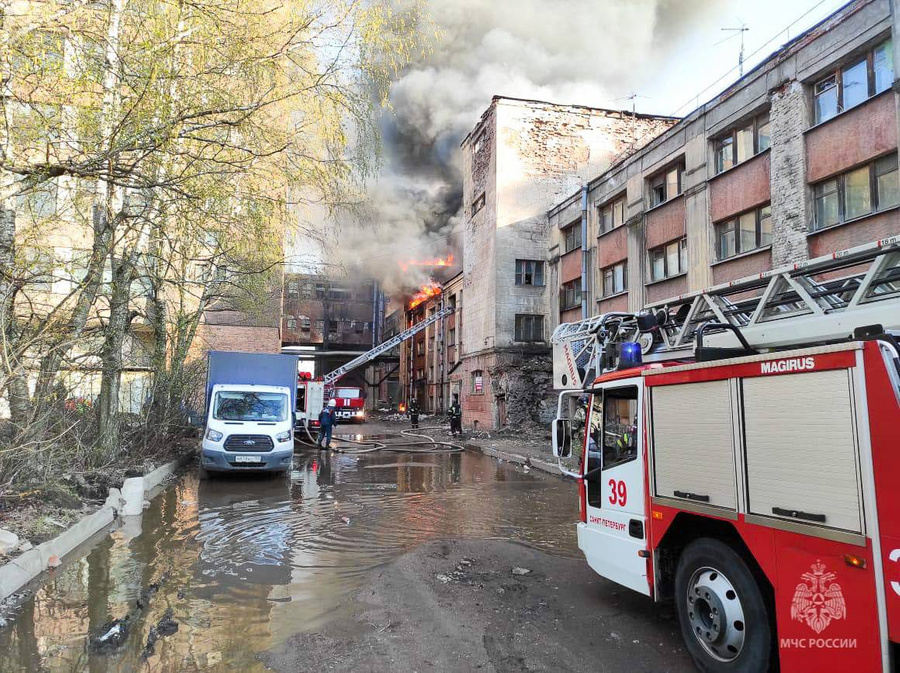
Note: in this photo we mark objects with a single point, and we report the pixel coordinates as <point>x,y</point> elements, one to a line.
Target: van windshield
<point>247,406</point>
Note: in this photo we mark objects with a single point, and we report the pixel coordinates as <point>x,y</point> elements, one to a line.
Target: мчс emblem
<point>818,599</point>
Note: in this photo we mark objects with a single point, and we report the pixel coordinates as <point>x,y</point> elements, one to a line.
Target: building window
<point>529,327</point>
<point>572,237</point>
<point>854,83</point>
<point>668,260</point>
<point>612,215</point>
<point>746,232</point>
<point>665,185</point>
<point>291,323</point>
<point>743,143</point>
<point>293,288</point>
<point>478,145</point>
<point>857,193</point>
<point>304,323</point>
<point>615,279</point>
<point>570,295</point>
<point>478,382</point>
<point>39,201</point>
<point>451,337</point>
<point>478,204</point>
<point>529,272</point>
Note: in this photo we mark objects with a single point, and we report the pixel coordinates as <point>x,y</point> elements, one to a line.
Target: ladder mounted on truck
<point>822,300</point>
<point>331,377</point>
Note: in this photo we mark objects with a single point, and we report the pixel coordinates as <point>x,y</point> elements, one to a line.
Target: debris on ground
<point>111,636</point>
<point>54,562</point>
<point>167,626</point>
<point>520,571</point>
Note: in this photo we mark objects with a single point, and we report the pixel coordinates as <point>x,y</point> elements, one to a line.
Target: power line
<point>754,53</point>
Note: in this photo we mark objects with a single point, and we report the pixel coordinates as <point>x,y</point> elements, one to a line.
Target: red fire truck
<point>739,453</point>
<point>350,401</point>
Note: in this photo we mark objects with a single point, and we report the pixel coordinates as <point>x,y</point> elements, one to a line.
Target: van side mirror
<point>562,438</point>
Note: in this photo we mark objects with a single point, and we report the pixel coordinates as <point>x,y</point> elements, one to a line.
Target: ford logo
<point>249,442</point>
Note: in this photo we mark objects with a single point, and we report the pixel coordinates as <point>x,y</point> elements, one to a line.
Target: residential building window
<point>854,83</point>
<point>748,231</point>
<point>292,323</point>
<point>293,288</point>
<point>742,143</point>
<point>451,337</point>
<point>478,382</point>
<point>304,323</point>
<point>38,202</point>
<point>478,144</point>
<point>615,279</point>
<point>478,204</point>
<point>665,185</point>
<point>572,237</point>
<point>668,260</point>
<point>856,193</point>
<point>529,327</point>
<point>612,215</point>
<point>529,272</point>
<point>570,295</point>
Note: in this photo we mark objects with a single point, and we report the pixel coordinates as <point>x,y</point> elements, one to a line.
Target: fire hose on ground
<point>430,445</point>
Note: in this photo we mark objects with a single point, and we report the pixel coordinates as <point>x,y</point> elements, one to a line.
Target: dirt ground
<point>492,606</point>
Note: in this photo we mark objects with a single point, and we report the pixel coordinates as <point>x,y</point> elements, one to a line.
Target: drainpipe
<point>584,253</point>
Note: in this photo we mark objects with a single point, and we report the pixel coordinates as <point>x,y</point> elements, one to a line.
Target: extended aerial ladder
<point>311,395</point>
<point>822,300</point>
<point>331,377</point>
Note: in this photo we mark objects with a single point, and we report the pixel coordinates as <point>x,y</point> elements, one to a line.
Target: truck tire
<point>724,619</point>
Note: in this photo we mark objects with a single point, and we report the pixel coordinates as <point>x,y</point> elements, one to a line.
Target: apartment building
<point>521,158</point>
<point>795,160</point>
<point>430,359</point>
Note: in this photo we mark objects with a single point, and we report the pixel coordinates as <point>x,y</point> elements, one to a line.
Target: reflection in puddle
<point>245,563</point>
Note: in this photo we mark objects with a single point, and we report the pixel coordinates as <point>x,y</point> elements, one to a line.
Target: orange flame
<point>425,293</point>
<point>439,261</point>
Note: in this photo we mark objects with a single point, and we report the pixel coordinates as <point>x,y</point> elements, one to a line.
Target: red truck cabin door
<point>616,526</point>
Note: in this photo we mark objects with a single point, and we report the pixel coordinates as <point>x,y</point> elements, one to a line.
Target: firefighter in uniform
<point>414,413</point>
<point>455,416</point>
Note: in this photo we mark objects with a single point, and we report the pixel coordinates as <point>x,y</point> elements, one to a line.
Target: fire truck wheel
<point>723,616</point>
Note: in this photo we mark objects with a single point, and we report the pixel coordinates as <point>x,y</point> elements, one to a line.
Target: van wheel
<point>722,612</point>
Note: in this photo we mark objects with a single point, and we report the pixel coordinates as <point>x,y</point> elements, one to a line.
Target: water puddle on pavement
<point>244,563</point>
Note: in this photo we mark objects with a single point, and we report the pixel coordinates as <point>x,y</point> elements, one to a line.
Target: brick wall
<point>238,338</point>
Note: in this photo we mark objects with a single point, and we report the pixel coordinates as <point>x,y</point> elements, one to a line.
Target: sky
<point>707,53</point>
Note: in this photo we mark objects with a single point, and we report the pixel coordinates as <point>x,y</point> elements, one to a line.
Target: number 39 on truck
<point>738,452</point>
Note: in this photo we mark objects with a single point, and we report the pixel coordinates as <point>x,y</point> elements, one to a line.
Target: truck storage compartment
<point>801,449</point>
<point>693,443</point>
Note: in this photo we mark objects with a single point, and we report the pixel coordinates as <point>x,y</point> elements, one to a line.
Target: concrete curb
<point>518,459</point>
<point>24,568</point>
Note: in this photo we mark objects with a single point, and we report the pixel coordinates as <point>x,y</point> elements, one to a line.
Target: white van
<point>248,427</point>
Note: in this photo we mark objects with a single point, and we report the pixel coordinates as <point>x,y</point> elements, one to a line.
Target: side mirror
<point>562,438</point>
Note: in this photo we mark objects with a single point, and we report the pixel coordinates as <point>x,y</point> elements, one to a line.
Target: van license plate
<point>247,459</point>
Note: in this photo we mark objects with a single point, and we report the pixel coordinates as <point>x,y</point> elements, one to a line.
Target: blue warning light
<point>630,355</point>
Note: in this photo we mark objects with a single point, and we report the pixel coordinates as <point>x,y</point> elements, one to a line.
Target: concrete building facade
<point>797,159</point>
<point>521,158</point>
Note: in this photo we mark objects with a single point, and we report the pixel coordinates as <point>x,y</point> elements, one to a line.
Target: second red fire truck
<point>739,452</point>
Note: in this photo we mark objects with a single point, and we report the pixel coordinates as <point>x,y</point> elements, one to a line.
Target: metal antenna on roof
<point>740,31</point>
<point>633,98</point>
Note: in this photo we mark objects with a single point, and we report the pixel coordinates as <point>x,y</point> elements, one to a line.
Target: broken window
<point>478,145</point>
<point>615,279</point>
<point>854,83</point>
<point>742,143</point>
<point>570,295</point>
<point>529,328</point>
<point>746,232</point>
<point>665,185</point>
<point>668,260</point>
<point>478,204</point>
<point>612,215</point>
<point>572,237</point>
<point>857,193</point>
<point>304,323</point>
<point>529,272</point>
<point>478,382</point>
